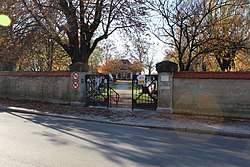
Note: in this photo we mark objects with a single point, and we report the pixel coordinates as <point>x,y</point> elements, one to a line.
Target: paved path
<point>28,140</point>
<point>124,90</point>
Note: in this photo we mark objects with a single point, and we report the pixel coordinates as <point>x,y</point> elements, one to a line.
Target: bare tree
<point>138,50</point>
<point>185,25</point>
<point>79,25</point>
<point>182,24</point>
<point>149,64</point>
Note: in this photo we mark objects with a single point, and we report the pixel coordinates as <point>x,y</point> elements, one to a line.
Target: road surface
<point>40,141</point>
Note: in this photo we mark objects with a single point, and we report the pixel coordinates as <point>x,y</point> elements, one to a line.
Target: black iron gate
<point>97,90</point>
<point>145,92</point>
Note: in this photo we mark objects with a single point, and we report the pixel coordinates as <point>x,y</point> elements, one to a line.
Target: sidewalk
<point>142,118</point>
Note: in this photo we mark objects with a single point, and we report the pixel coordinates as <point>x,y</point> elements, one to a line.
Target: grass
<point>124,81</point>
<point>114,87</point>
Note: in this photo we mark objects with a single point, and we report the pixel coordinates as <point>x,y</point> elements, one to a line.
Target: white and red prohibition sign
<point>75,80</point>
<point>75,84</point>
<point>75,76</point>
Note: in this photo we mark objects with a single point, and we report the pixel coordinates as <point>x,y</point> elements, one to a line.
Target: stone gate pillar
<point>78,84</point>
<point>78,89</point>
<point>165,71</point>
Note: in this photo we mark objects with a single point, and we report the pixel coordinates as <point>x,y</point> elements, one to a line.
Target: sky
<point>156,50</point>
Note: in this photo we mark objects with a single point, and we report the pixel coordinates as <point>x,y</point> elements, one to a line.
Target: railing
<point>114,98</point>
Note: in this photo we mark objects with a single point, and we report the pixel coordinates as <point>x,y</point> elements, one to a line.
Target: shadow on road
<point>147,147</point>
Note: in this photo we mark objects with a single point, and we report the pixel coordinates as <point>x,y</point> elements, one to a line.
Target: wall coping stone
<point>213,75</point>
<point>36,74</point>
<point>166,66</point>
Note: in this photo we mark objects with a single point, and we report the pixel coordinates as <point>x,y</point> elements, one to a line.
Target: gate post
<point>165,71</point>
<point>78,88</point>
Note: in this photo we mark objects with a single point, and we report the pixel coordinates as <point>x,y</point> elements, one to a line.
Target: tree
<point>231,31</point>
<point>8,54</point>
<point>114,66</point>
<point>7,47</point>
<point>136,67</point>
<point>41,53</point>
<point>242,60</point>
<point>182,22</point>
<point>110,49</point>
<point>138,49</point>
<point>186,25</point>
<point>79,25</point>
<point>149,64</point>
<point>110,66</point>
<point>96,59</point>
<point>140,45</point>
<point>32,49</point>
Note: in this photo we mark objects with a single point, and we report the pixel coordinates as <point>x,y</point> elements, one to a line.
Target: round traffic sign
<point>75,85</point>
<point>75,75</point>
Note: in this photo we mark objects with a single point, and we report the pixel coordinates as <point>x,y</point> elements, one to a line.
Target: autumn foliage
<point>114,66</point>
<point>205,32</point>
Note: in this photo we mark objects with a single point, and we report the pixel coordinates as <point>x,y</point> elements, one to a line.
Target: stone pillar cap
<point>166,66</point>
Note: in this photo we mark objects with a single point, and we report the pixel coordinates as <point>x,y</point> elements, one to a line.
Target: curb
<point>190,130</point>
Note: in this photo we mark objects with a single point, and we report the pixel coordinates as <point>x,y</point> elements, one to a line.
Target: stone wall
<point>45,86</point>
<point>219,94</point>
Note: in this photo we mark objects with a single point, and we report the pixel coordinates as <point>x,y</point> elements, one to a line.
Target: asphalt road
<point>32,140</point>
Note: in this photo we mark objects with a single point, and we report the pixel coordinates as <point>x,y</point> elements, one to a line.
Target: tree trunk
<point>80,60</point>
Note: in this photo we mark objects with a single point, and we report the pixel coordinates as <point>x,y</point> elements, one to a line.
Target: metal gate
<point>99,92</point>
<point>145,92</point>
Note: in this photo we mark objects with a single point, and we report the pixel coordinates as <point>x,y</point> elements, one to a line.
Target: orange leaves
<point>114,66</point>
<point>136,66</point>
